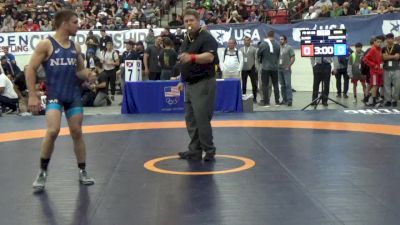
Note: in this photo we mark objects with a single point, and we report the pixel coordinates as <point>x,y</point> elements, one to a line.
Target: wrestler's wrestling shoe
<point>84,178</point>
<point>40,181</point>
<point>190,155</point>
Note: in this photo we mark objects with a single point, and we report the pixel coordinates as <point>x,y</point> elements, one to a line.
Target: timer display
<point>316,43</point>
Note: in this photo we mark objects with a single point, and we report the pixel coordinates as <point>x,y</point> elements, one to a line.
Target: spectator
<point>32,26</point>
<point>20,27</point>
<point>179,37</point>
<point>167,59</point>
<point>8,97</point>
<point>311,14</point>
<point>8,24</point>
<point>232,61</point>
<point>364,9</point>
<point>104,39</point>
<point>336,10</point>
<point>150,39</point>
<point>152,69</point>
<point>175,22</point>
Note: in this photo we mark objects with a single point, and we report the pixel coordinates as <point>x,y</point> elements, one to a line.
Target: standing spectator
<point>150,38</point>
<point>391,55</point>
<point>110,60</point>
<point>152,69</point>
<point>232,61</point>
<point>249,53</point>
<point>128,54</point>
<point>92,43</point>
<point>179,37</point>
<point>340,70</point>
<point>167,59</point>
<point>286,60</point>
<point>354,70</point>
<point>375,63</point>
<point>268,55</point>
<point>104,39</point>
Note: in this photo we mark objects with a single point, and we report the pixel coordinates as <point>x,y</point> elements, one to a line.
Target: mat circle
<point>247,164</point>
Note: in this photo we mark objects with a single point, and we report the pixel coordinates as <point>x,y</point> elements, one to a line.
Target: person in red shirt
<point>31,26</point>
<point>374,61</point>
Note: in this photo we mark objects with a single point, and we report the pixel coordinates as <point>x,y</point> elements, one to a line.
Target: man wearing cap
<point>92,43</point>
<point>129,54</point>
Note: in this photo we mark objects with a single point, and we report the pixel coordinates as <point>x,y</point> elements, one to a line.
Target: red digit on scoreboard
<point>307,50</point>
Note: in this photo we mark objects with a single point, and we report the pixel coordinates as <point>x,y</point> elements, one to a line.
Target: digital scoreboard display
<point>317,43</point>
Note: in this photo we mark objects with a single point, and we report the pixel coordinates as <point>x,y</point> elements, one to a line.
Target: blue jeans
<point>285,80</point>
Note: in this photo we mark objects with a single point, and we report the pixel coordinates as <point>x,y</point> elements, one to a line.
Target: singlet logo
<point>57,51</point>
<point>63,62</point>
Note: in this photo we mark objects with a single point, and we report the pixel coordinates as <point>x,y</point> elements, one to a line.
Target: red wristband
<point>193,58</point>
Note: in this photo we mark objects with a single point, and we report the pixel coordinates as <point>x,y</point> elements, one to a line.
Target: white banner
<point>24,43</point>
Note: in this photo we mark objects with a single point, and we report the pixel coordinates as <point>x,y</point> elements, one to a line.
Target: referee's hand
<point>180,86</point>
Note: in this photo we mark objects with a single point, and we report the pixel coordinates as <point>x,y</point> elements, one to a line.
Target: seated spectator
<point>347,10</point>
<point>311,14</point>
<point>46,26</point>
<point>100,87</point>
<point>20,27</point>
<point>8,97</point>
<point>8,24</point>
<point>364,9</point>
<point>325,11</point>
<point>175,22</point>
<point>32,26</point>
<point>318,5</point>
<point>336,10</point>
<point>235,17</point>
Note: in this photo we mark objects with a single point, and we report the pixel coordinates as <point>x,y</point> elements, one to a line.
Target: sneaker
<point>190,155</point>
<point>345,96</point>
<point>112,98</point>
<point>40,181</point>
<point>84,178</point>
<point>289,104</point>
<point>209,156</point>
<point>394,104</point>
<point>339,95</point>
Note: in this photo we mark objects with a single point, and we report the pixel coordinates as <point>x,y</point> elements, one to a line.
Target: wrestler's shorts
<point>71,108</point>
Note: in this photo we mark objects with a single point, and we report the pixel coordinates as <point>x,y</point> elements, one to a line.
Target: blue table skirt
<point>162,97</point>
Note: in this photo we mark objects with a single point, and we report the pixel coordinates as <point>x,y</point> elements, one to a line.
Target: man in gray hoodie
<point>268,55</point>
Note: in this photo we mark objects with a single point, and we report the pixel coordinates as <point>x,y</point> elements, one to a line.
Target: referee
<point>197,61</point>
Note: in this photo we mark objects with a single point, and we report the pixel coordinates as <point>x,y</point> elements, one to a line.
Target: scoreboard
<point>317,43</point>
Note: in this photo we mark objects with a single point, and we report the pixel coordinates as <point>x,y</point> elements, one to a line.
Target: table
<point>163,97</point>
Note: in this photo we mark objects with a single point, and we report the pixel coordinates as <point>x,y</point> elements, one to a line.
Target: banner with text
<point>23,43</point>
<point>359,29</point>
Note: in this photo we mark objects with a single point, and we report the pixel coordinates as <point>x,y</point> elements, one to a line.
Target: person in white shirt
<point>110,60</point>
<point>232,61</point>
<point>8,97</point>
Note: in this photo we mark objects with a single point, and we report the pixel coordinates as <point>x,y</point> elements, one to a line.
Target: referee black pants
<point>322,73</point>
